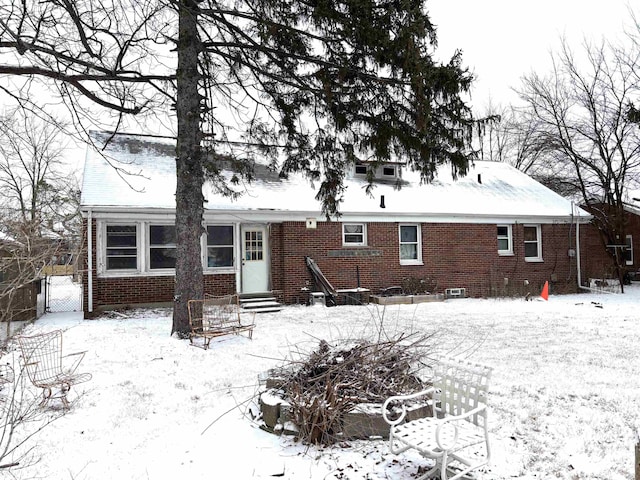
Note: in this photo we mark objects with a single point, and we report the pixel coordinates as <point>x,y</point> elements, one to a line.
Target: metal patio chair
<point>48,369</point>
<point>456,436</point>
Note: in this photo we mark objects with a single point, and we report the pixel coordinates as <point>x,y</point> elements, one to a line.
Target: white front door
<point>255,265</point>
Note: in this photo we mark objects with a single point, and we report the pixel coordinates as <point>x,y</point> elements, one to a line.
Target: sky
<point>502,40</point>
<point>564,395</point>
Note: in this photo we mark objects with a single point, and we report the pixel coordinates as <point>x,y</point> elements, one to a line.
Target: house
<point>601,264</point>
<point>493,232</point>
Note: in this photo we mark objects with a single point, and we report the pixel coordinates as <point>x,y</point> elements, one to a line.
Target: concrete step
<point>260,303</point>
<point>265,309</point>
<point>251,301</point>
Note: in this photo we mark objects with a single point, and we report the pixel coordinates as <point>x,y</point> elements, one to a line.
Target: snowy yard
<point>565,393</point>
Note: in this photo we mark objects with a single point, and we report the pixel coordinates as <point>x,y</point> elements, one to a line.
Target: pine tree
<point>312,86</point>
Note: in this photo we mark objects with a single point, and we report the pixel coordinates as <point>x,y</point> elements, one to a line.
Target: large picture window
<point>219,246</point>
<point>532,243</point>
<point>505,240</point>
<point>122,247</point>
<point>162,246</point>
<point>354,234</point>
<point>410,250</point>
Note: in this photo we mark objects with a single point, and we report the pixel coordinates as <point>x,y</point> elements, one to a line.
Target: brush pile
<point>335,378</point>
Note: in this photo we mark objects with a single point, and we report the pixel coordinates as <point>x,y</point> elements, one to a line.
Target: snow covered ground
<point>565,393</point>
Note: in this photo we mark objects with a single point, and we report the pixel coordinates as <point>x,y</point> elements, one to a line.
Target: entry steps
<point>260,303</point>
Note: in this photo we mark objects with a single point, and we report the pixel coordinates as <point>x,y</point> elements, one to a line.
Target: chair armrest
<point>402,399</point>
<point>451,421</point>
<point>76,361</point>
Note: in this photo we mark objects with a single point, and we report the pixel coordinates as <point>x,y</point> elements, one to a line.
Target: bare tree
<point>509,138</point>
<point>310,86</point>
<point>22,417</point>
<point>36,185</point>
<point>580,118</point>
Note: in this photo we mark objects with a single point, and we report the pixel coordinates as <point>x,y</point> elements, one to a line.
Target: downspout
<point>578,266</point>
<point>89,261</point>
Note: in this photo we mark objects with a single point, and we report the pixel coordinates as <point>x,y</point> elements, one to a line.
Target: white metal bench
<point>456,436</point>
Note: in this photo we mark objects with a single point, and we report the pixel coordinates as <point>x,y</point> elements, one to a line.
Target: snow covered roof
<point>135,173</point>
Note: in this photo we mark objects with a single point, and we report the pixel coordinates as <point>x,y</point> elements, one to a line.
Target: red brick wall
<point>599,263</point>
<point>454,255</point>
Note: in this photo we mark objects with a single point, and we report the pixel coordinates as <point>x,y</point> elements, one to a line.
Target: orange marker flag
<point>545,291</point>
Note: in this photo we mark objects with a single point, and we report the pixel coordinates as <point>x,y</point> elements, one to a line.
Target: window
<point>532,243</point>
<point>122,247</point>
<point>628,251</point>
<point>410,251</point>
<point>389,171</point>
<point>360,168</point>
<point>505,243</point>
<point>162,246</point>
<point>253,243</point>
<point>219,246</point>
<point>354,234</point>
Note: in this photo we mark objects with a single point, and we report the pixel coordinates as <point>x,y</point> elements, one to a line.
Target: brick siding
<point>454,256</point>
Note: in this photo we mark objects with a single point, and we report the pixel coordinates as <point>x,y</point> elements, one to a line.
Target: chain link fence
<point>64,294</point>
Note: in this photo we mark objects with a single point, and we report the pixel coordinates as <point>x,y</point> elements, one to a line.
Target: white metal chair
<point>48,369</point>
<point>456,436</point>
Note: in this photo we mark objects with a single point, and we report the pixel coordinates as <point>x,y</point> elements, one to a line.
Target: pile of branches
<point>334,379</point>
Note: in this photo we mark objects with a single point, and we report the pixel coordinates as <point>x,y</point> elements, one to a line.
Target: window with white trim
<point>121,251</point>
<point>505,240</point>
<point>410,244</point>
<point>162,247</point>
<point>532,243</point>
<point>220,246</point>
<point>360,168</point>
<point>389,171</point>
<point>354,234</point>
<point>628,251</point>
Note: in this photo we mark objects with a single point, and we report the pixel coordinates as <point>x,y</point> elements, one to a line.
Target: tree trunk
<point>189,173</point>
